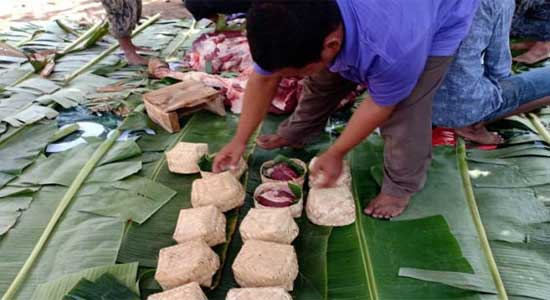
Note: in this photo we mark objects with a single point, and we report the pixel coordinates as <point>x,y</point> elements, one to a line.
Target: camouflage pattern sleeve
<point>123,16</point>
<point>532,20</point>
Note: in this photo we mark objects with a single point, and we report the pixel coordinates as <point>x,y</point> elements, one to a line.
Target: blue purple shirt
<point>387,42</point>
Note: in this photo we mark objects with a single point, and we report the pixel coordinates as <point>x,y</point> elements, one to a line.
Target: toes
<point>369,209</point>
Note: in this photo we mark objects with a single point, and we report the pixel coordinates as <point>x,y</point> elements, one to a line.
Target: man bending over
<point>400,49</point>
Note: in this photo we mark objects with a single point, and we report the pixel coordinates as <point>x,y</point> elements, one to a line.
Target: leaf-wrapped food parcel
<point>190,291</point>
<point>222,190</point>
<point>264,264</point>
<point>270,225</point>
<point>184,157</point>
<point>271,293</point>
<point>191,261</point>
<point>206,223</point>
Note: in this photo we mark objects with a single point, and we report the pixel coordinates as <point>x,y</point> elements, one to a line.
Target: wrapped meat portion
<point>206,223</point>
<point>278,195</point>
<point>206,161</point>
<point>222,190</point>
<point>270,225</point>
<point>184,157</point>
<point>265,264</point>
<point>331,206</point>
<point>344,179</point>
<point>191,291</point>
<point>184,263</point>
<point>270,293</point>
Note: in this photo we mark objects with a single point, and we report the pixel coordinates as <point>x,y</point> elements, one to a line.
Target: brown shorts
<point>407,133</point>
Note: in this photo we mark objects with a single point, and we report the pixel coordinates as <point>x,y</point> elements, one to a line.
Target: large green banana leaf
<point>56,289</point>
<point>157,232</point>
<point>360,261</point>
<point>18,153</point>
<point>89,234</point>
<point>338,263</point>
<point>431,252</point>
<point>517,220</point>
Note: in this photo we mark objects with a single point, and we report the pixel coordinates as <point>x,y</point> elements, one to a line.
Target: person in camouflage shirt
<point>532,21</point>
<point>123,17</point>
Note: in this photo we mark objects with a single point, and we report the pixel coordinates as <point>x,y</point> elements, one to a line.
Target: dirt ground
<point>78,10</point>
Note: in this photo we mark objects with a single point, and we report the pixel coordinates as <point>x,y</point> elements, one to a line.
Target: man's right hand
<point>228,158</point>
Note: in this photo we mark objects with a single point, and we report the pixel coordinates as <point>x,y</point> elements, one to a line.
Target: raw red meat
<point>276,198</point>
<point>226,51</point>
<point>229,52</point>
<point>281,172</point>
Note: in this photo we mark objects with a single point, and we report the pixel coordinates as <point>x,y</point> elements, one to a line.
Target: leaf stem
<point>472,204</point>
<point>65,27</point>
<point>81,38</point>
<point>365,252</point>
<point>23,78</point>
<point>61,133</point>
<point>58,213</point>
<point>540,127</point>
<point>109,50</point>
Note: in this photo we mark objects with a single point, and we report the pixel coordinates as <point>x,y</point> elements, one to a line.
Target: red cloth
<point>447,137</point>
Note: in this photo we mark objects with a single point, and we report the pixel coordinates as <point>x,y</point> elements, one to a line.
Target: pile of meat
<point>217,53</point>
<point>223,61</point>
<point>282,172</point>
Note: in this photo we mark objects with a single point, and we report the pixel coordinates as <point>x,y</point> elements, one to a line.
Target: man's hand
<point>228,158</point>
<point>326,169</point>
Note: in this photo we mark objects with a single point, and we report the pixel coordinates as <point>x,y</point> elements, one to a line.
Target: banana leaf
<point>63,167</point>
<point>156,233</point>
<point>124,273</point>
<point>137,198</point>
<point>517,221</point>
<point>19,148</point>
<point>460,280</point>
<point>76,92</point>
<point>36,86</point>
<point>312,240</point>
<point>364,259</point>
<point>105,287</point>
<point>81,239</point>
<point>10,210</point>
<point>17,191</point>
<point>12,75</point>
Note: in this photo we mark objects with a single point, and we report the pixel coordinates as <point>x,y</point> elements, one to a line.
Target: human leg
<point>522,93</point>
<point>321,95</point>
<point>533,22</point>
<point>123,17</point>
<point>407,143</point>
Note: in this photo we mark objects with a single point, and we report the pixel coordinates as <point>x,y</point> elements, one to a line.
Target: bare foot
<point>135,59</point>
<point>130,52</point>
<point>539,52</point>
<point>273,141</point>
<point>526,45</point>
<point>478,133</point>
<point>386,207</point>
